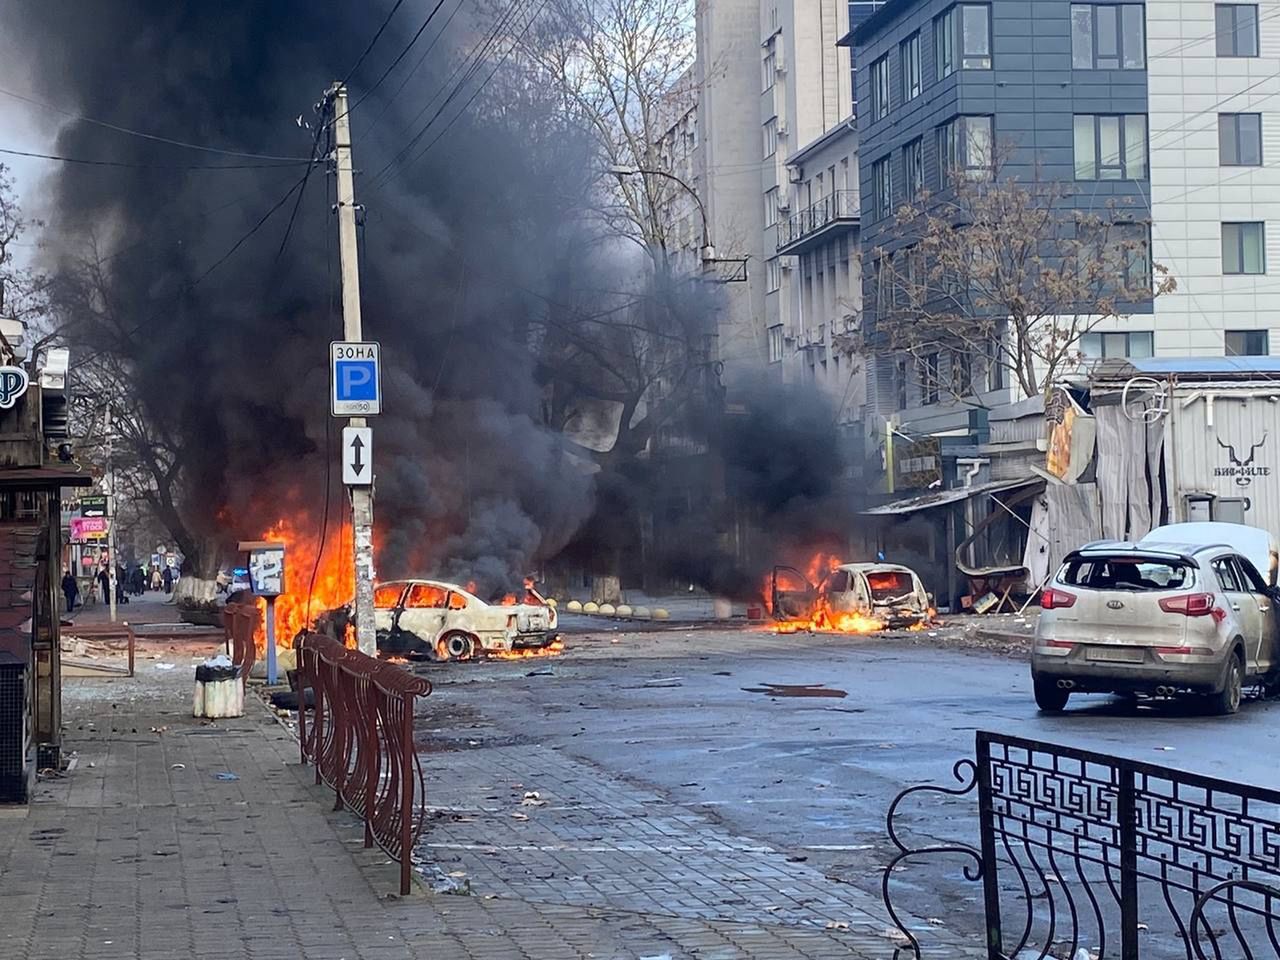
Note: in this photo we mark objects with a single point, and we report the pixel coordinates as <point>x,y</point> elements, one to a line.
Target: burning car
<point>448,622</point>
<point>851,598</point>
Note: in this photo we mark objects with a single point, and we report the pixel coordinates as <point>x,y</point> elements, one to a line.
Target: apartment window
<point>1110,146</point>
<point>769,65</point>
<point>775,343</point>
<point>1105,346</point>
<point>1237,29</point>
<point>1243,248</point>
<point>909,52</point>
<point>880,88</point>
<point>913,166</point>
<point>995,365</point>
<point>927,367</point>
<point>964,148</point>
<point>1135,254</point>
<point>1240,139</point>
<point>771,208</point>
<point>962,34</point>
<point>1247,343</point>
<point>773,275</point>
<point>944,44</point>
<point>882,186</point>
<point>961,373</point>
<point>1108,36</point>
<point>770,138</point>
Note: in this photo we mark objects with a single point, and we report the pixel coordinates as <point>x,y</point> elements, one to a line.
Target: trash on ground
<point>165,666</point>
<point>665,682</point>
<point>226,776</point>
<point>796,690</point>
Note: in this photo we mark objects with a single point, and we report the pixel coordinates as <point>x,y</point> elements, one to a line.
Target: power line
<point>471,63</point>
<point>152,166</point>
<point>416,67</point>
<point>396,62</point>
<point>356,66</point>
<point>145,136</point>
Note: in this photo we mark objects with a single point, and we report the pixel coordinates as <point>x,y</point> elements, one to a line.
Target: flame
<point>508,600</point>
<point>822,619</point>
<point>553,649</point>
<point>334,577</point>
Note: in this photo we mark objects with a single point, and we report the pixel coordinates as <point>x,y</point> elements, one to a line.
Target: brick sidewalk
<point>141,852</point>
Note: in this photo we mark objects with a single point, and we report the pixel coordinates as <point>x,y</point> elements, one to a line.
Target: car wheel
<point>1050,697</point>
<point>1227,700</point>
<point>455,646</point>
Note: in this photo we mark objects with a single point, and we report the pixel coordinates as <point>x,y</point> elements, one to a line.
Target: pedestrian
<point>70,590</point>
<point>155,578</point>
<point>104,581</point>
<point>167,577</point>
<point>138,582</point>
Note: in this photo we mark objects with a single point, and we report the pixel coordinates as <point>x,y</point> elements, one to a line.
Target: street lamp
<point>708,251</point>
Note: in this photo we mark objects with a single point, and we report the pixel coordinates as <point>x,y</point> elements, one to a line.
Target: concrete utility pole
<point>109,427</point>
<point>362,496</point>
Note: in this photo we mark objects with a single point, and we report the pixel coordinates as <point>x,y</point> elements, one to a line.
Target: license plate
<point>1115,654</point>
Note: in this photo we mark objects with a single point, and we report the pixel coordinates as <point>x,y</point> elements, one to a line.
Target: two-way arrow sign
<point>357,456</point>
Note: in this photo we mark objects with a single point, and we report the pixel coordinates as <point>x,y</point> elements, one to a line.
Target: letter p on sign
<point>356,379</point>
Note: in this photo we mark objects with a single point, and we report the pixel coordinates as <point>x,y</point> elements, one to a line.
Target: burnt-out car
<point>444,621</point>
<point>887,593</point>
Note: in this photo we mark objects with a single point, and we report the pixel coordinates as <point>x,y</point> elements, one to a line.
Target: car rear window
<point>888,584</point>
<point>387,595</point>
<point>1126,573</point>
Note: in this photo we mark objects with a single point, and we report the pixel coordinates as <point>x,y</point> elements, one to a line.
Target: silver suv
<point>1156,618</point>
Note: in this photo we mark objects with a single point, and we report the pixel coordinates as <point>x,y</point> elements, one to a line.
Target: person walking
<point>104,581</point>
<point>167,576</point>
<point>70,589</point>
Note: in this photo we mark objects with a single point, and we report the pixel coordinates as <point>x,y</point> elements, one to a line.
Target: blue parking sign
<point>355,378</point>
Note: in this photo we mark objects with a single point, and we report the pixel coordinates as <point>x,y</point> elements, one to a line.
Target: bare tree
<point>1008,271</point>
<point>148,451</point>
<point>622,68</point>
<point>21,290</point>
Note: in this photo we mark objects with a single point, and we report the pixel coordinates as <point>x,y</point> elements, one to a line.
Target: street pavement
<point>171,836</point>
<point>664,779</point>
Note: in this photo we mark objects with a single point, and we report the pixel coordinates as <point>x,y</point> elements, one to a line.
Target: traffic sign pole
<point>361,496</point>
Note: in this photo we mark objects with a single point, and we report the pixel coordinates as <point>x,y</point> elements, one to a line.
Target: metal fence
<point>361,741</point>
<point>1118,858</point>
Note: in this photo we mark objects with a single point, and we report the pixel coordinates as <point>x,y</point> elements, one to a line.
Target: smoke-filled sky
<point>461,247</point>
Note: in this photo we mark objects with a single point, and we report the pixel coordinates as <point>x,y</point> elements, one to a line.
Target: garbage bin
<point>219,691</point>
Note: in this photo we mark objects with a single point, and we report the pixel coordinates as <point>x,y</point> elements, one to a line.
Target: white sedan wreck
<point>444,621</point>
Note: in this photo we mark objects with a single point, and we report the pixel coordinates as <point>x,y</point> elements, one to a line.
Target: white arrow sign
<point>357,456</point>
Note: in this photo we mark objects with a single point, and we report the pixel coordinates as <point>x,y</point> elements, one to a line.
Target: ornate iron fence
<point>361,741</point>
<point>1086,855</point>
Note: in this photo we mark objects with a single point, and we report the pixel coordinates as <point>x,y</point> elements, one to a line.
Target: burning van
<point>851,598</point>
<point>447,622</point>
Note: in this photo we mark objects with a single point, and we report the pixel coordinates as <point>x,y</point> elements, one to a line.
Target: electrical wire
<point>293,215</point>
<point>152,166</point>
<point>413,72</point>
<point>396,62</point>
<point>146,136</point>
<point>461,72</point>
<point>385,23</point>
<point>475,93</point>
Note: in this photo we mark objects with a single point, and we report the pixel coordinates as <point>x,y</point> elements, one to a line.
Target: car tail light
<point>1053,599</point>
<point>1193,605</point>
<point>1185,651</point>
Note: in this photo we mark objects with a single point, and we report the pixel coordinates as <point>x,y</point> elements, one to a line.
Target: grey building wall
<point>1031,92</point>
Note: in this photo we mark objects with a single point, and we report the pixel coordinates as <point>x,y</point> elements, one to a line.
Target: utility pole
<point>109,428</point>
<point>361,496</point>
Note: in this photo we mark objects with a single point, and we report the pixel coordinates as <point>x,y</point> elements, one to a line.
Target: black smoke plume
<point>461,250</point>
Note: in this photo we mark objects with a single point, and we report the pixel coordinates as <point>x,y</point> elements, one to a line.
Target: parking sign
<point>355,377</point>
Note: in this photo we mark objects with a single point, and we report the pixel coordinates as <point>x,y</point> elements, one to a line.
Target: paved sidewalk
<point>141,851</point>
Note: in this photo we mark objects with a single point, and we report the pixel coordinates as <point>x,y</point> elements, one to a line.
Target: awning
<point>939,498</point>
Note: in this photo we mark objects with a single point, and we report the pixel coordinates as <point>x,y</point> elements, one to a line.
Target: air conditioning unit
<point>779,62</point>
<point>784,204</point>
<point>788,263</point>
<point>781,127</point>
<point>795,174</point>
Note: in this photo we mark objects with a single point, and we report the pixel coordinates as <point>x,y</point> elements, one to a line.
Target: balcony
<point>819,223</point>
